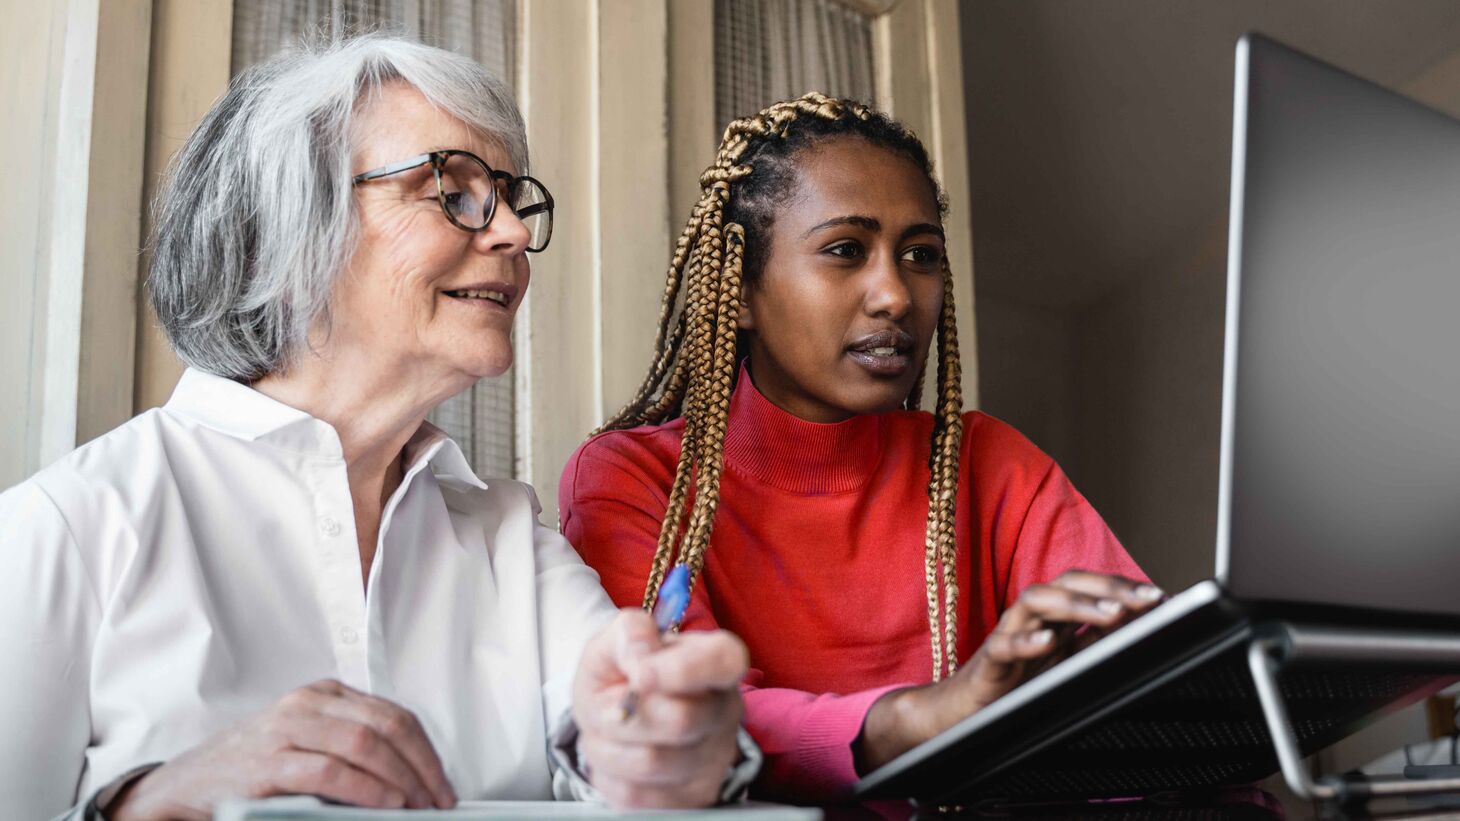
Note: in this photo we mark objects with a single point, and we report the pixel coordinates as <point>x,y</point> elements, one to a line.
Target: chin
<point>871,394</point>
<point>879,397</point>
<point>488,365</point>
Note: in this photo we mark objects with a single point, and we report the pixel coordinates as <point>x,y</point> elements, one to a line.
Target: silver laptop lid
<point>1340,477</point>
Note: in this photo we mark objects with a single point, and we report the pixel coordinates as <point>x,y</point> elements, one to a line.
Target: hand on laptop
<point>322,739</point>
<point>678,741</point>
<point>1047,624</point>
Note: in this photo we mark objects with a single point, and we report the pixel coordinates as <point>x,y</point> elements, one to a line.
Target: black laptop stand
<point>1288,646</point>
<point>1228,710</point>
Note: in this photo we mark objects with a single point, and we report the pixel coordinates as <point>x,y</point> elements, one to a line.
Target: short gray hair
<point>256,217</point>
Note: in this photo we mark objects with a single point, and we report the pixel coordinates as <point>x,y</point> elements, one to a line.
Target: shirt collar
<point>432,444</point>
<point>237,410</point>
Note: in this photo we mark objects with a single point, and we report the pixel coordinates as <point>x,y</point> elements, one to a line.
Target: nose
<point>887,295</point>
<point>505,234</point>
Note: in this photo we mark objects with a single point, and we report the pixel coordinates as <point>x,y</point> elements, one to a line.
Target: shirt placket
<point>396,508</point>
<point>339,583</point>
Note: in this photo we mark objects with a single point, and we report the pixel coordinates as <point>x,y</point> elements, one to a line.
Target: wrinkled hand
<point>1048,623</point>
<point>675,749</point>
<point>323,739</point>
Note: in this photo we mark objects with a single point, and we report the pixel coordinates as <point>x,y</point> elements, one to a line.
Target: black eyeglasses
<point>468,190</point>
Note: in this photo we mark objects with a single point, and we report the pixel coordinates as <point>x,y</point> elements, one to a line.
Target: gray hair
<point>256,217</point>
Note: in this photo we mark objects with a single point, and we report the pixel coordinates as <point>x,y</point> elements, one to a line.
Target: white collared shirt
<point>187,569</point>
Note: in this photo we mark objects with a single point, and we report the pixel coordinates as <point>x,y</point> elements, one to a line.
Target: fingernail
<point>1110,606</point>
<point>1149,592</point>
<point>1041,637</point>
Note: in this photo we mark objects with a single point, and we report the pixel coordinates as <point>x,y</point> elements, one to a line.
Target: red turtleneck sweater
<point>817,557</point>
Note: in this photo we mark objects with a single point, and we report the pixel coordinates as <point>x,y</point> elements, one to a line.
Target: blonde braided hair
<point>696,354</point>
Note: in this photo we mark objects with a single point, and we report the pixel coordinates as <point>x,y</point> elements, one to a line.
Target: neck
<point>776,447</point>
<point>375,411</point>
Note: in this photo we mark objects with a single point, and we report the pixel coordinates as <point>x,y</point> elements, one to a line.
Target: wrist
<point>894,724</point>
<point>127,798</point>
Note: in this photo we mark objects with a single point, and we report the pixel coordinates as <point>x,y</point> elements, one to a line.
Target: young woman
<point>853,536</point>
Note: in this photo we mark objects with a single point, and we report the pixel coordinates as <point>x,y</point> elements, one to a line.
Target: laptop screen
<point>1341,420</point>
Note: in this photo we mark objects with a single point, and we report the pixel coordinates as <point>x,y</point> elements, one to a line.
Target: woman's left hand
<point>676,747</point>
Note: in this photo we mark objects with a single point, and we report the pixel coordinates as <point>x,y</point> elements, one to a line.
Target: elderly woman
<point>286,580</point>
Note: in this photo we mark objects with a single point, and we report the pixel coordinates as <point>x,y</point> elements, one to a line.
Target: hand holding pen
<point>671,742</point>
<point>668,611</point>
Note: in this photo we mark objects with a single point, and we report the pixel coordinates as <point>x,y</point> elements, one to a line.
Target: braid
<point>694,322</point>
<point>696,353</point>
<point>665,344</point>
<point>721,379</point>
<point>941,539</point>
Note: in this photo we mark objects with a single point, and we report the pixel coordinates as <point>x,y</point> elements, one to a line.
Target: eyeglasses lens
<point>468,191</point>
<point>530,203</point>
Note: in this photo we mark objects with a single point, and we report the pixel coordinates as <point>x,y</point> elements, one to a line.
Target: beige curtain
<point>481,419</point>
<point>770,50</point>
<point>481,29</point>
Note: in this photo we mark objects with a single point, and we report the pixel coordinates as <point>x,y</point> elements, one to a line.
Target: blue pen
<point>668,610</point>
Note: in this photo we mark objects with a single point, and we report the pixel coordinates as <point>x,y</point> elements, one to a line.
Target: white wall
<point>1147,396</point>
<point>28,39</point>
<point>75,85</point>
<point>1026,351</point>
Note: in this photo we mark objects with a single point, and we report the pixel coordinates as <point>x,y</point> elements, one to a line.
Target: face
<point>842,316</point>
<point>422,297</point>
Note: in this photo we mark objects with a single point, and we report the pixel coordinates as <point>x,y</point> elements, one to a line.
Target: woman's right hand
<point>1047,624</point>
<point>323,739</point>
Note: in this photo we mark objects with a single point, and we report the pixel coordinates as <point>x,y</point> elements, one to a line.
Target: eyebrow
<point>874,225</point>
<point>923,228</point>
<point>861,222</point>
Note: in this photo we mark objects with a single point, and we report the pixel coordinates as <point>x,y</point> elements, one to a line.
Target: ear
<point>746,320</point>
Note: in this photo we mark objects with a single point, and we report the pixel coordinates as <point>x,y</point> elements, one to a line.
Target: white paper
<point>312,809</point>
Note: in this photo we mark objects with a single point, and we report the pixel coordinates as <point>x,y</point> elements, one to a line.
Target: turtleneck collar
<point>785,451</point>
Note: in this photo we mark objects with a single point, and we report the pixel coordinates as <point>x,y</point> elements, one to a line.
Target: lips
<point>499,293</point>
<point>886,353</point>
<point>884,343</point>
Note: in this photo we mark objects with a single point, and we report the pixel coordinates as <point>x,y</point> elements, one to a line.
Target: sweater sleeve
<point>1061,531</point>
<point>611,503</point>
<point>1029,522</point>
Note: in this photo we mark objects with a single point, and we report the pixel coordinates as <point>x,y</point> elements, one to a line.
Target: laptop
<point>1339,500</point>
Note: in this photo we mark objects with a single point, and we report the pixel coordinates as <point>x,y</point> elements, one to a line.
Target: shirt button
<point>348,635</point>
<point>329,527</point>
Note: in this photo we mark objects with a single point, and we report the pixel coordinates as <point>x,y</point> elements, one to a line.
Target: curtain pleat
<point>770,50</point>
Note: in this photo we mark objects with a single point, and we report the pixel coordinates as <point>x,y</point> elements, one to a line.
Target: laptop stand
<point>1230,700</point>
<point>1284,645</point>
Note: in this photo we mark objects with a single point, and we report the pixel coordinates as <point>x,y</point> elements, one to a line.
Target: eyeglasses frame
<point>437,159</point>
